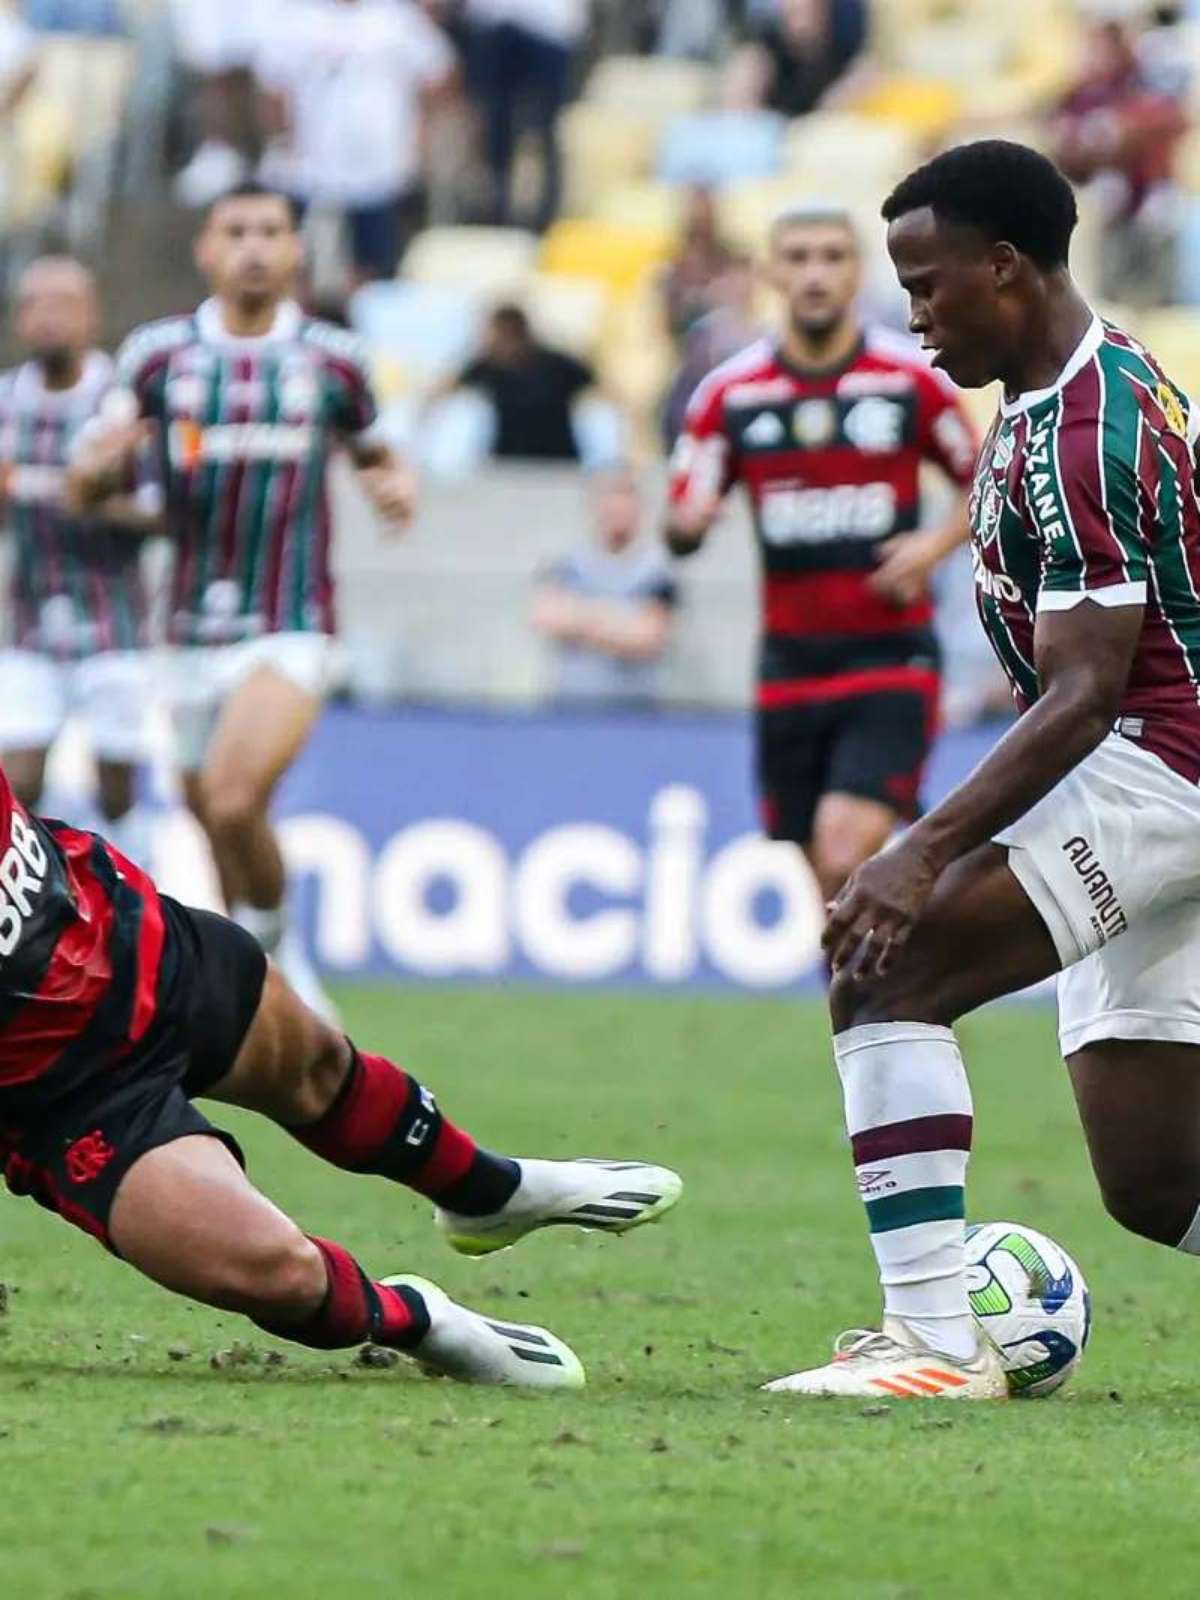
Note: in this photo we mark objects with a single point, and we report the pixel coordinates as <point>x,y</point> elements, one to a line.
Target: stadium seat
<point>1173,334</point>
<point>928,107</point>
<point>90,79</point>
<point>568,312</point>
<point>424,330</point>
<point>655,88</point>
<point>617,256</point>
<point>489,262</point>
<point>601,152</point>
<point>657,206</point>
<point>840,152</point>
<point>720,147</point>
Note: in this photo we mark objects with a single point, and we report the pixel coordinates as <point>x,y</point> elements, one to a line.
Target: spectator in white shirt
<point>346,86</point>
<point>520,54</point>
<point>217,41</point>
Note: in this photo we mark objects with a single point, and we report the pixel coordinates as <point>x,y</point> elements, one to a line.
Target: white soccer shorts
<point>108,692</point>
<point>199,679</point>
<point>1111,860</point>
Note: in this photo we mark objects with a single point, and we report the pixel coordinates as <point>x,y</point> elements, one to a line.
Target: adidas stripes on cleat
<point>895,1365</point>
<point>472,1348</point>
<point>612,1196</point>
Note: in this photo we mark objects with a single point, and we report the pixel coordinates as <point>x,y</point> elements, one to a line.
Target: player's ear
<point>1006,264</point>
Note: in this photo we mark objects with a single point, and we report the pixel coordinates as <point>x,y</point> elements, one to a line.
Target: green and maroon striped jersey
<point>1087,490</point>
<point>75,586</point>
<point>247,428</point>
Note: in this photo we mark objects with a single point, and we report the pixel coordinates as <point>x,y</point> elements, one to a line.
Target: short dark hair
<point>1005,190</point>
<point>252,189</point>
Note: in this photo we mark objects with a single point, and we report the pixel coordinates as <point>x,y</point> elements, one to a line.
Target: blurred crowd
<point>546,216</point>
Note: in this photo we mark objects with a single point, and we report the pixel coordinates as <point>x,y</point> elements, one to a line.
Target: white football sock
<point>265,923</point>
<point>908,1113</point>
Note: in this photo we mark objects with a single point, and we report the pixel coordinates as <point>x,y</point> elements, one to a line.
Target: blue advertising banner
<point>571,848</point>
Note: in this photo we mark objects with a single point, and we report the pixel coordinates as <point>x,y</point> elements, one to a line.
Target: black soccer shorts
<point>872,745</point>
<point>70,1151</point>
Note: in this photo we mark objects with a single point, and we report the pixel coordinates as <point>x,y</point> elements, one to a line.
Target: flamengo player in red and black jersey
<point>118,1006</point>
<point>827,428</point>
<point>247,401</point>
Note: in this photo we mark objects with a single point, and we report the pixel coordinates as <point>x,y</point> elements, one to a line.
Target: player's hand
<point>103,461</point>
<point>872,919</point>
<point>906,564</point>
<point>691,519</point>
<point>392,489</point>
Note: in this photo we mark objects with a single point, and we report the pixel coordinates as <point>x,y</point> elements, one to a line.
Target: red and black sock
<point>356,1309</point>
<point>385,1123</point>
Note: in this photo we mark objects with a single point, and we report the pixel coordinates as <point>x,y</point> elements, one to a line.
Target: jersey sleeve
<point>945,433</point>
<point>1083,499</point>
<point>702,462</point>
<point>139,378</point>
<point>355,409</point>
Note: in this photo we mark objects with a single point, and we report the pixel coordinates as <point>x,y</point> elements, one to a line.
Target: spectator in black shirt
<point>532,388</point>
<point>798,51</point>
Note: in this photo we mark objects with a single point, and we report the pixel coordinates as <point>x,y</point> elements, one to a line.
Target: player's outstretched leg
<point>365,1114</point>
<point>186,1215</point>
<point>909,1115</point>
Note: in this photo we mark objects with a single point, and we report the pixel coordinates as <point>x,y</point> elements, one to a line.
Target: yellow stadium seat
<point>654,87</point>
<point>928,107</point>
<point>38,157</point>
<point>490,262</point>
<point>642,205</point>
<point>1172,334</point>
<point>90,80</point>
<point>617,256</point>
<point>568,312</point>
<point>602,151</point>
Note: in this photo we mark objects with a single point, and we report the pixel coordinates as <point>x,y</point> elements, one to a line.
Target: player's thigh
<point>881,743</point>
<point>110,694</point>
<point>34,705</point>
<point>979,937</point>
<point>268,715</point>
<point>186,1215</point>
<point>791,761</point>
<point>192,684</point>
<point>291,1064</point>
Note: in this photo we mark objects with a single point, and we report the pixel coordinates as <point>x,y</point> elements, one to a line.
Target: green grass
<point>126,1474</point>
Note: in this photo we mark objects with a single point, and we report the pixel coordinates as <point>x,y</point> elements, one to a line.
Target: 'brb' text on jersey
<point>831,463</point>
<point>1087,491</point>
<point>247,428</point>
<point>75,585</point>
<point>81,956</point>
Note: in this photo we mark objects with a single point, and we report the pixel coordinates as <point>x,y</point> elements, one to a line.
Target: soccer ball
<point>1031,1300</point>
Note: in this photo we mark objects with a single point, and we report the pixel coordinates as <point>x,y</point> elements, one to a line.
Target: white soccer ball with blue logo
<point>1031,1300</point>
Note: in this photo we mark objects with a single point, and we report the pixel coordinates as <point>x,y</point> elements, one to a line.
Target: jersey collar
<point>1083,352</point>
<point>31,385</point>
<point>213,331</point>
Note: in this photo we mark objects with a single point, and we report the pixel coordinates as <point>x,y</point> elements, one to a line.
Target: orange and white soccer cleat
<point>895,1365</point>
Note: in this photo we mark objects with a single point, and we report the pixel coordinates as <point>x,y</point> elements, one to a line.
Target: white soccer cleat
<point>613,1196</point>
<point>894,1364</point>
<point>472,1348</point>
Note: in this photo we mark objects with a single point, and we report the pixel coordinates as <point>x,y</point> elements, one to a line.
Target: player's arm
<point>1090,609</point>
<point>946,438</point>
<point>702,472</point>
<point>387,477</point>
<point>110,447</point>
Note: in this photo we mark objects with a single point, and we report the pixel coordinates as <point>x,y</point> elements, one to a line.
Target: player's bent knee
<point>230,805</point>
<point>910,995</point>
<point>1160,1212</point>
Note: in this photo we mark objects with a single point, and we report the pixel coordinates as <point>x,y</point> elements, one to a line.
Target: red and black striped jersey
<point>81,943</point>
<point>831,463</point>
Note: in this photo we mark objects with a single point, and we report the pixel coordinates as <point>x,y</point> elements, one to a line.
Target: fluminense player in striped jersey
<point>76,603</point>
<point>1074,847</point>
<point>248,400</point>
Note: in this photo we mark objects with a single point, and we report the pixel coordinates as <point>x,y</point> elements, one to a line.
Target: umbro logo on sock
<point>870,1183</point>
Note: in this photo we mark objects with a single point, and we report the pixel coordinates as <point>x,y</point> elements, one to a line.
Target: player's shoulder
<point>336,344</point>
<point>757,363</point>
<point>157,339</point>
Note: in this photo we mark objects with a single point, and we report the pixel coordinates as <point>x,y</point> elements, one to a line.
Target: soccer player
<point>118,1007</point>
<point>828,428</point>
<point>248,399</point>
<point>1072,847</point>
<point>75,596</point>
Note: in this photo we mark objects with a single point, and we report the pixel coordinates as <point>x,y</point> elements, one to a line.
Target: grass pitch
<point>133,1468</point>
